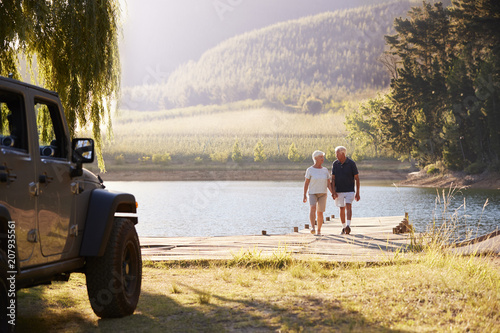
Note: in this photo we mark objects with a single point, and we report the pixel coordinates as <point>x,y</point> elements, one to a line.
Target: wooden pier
<point>371,239</point>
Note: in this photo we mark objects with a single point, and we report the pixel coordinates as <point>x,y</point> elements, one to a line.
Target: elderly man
<point>344,175</point>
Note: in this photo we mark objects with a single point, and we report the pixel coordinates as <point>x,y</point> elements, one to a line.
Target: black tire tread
<point>101,274</point>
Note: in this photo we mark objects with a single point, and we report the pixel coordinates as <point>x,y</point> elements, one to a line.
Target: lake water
<point>223,208</point>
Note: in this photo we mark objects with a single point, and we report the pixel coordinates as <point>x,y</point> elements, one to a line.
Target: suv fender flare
<point>103,205</point>
<point>4,213</point>
<point>4,218</point>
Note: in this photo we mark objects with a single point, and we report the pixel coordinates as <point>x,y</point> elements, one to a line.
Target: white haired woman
<point>317,182</point>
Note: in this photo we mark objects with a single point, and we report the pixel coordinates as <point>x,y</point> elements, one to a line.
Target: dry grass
<point>436,292</point>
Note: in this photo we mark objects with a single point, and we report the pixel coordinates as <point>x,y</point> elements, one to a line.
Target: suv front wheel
<point>114,280</point>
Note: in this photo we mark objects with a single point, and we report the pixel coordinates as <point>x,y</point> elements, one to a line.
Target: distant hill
<point>322,58</point>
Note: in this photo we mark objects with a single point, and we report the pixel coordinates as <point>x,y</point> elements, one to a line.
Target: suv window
<point>13,132</point>
<point>51,138</point>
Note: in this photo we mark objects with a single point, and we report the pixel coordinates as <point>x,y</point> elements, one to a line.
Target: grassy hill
<point>322,58</point>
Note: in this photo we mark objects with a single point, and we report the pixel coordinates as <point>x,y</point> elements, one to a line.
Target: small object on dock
<point>295,229</point>
<point>403,227</point>
<point>306,226</point>
<point>328,218</point>
<point>264,232</point>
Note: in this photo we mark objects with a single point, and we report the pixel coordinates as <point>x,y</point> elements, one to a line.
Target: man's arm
<point>334,193</point>
<point>356,178</point>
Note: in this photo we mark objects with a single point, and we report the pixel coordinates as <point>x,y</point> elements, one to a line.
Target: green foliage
<point>198,160</point>
<point>330,56</point>
<point>476,168</point>
<point>161,158</point>
<point>365,126</point>
<point>144,159</point>
<point>258,152</point>
<point>219,156</point>
<point>443,102</point>
<point>236,155</point>
<point>330,154</point>
<point>293,154</point>
<point>120,159</point>
<point>73,47</point>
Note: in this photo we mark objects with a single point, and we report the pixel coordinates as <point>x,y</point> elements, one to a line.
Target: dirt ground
<point>485,180</point>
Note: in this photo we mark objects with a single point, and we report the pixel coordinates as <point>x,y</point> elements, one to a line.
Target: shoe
<point>343,231</point>
<point>313,231</point>
<point>347,230</point>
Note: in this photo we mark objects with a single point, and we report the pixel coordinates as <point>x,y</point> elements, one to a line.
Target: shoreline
<point>237,175</point>
<point>400,178</point>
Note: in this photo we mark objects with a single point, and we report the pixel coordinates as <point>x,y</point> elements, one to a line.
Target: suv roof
<point>28,85</point>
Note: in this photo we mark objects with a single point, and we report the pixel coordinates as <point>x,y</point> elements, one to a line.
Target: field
<point>207,134</point>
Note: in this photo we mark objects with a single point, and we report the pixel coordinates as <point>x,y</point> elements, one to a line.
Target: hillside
<point>328,56</point>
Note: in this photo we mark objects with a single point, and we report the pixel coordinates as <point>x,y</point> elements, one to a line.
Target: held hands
<point>334,195</point>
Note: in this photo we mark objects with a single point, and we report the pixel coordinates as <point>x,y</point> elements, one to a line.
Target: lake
<point>224,208</point>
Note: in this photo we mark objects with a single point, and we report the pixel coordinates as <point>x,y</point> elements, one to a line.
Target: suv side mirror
<point>82,151</point>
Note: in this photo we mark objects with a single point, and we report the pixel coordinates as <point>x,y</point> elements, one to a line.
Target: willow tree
<point>71,47</point>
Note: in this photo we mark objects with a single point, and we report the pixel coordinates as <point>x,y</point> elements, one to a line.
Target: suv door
<point>56,199</point>
<point>17,169</point>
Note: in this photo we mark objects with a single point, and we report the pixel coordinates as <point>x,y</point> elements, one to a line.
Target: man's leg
<point>348,207</point>
<point>342,216</point>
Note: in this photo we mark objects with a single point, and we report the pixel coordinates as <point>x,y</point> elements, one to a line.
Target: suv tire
<point>114,280</point>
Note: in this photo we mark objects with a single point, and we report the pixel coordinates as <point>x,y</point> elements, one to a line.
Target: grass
<point>433,292</point>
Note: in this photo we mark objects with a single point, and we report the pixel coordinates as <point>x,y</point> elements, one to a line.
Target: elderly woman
<point>317,181</point>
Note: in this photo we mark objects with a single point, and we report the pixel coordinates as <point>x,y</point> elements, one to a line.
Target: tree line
<point>443,104</point>
<point>324,57</point>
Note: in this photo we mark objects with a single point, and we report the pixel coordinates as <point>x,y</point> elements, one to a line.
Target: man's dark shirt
<point>344,175</point>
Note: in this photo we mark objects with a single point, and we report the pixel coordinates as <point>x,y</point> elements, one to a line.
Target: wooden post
<point>306,226</point>
<point>327,218</point>
<point>333,216</point>
<point>264,232</point>
<point>295,229</point>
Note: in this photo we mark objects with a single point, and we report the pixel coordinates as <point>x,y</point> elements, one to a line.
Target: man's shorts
<point>344,198</point>
<point>318,199</point>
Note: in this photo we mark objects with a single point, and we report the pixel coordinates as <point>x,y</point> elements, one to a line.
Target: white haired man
<point>317,181</point>
<point>344,175</point>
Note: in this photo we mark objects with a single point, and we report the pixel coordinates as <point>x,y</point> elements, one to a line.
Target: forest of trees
<point>325,58</point>
<point>444,99</point>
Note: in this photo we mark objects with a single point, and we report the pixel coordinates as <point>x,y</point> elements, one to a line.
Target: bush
<point>475,168</point>
<point>258,152</point>
<point>144,159</point>
<point>236,156</point>
<point>198,160</point>
<point>293,154</point>
<point>120,159</point>
<point>431,169</point>
<point>313,105</point>
<point>219,157</point>
<point>162,158</point>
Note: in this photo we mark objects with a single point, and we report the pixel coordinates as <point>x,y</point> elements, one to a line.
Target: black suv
<point>55,216</point>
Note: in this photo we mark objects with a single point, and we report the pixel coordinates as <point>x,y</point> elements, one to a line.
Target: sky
<point>160,35</point>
